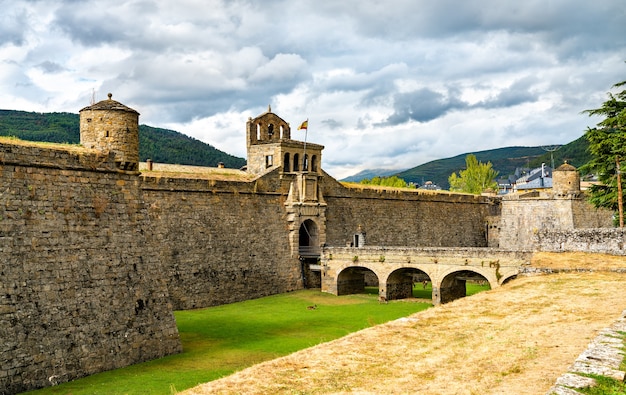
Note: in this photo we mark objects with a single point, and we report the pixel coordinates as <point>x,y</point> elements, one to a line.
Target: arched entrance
<point>308,239</point>
<point>309,252</point>
<point>454,285</point>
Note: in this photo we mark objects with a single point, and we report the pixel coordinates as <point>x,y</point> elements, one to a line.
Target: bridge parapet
<point>445,267</point>
<point>381,257</point>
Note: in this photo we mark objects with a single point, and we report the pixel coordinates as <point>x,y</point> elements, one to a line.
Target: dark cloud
<point>518,93</point>
<point>90,28</point>
<point>50,67</point>
<point>331,124</point>
<point>422,105</point>
<point>13,26</point>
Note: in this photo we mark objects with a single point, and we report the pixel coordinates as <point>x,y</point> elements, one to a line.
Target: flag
<point>304,125</point>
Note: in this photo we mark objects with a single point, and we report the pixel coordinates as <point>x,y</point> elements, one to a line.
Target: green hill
<point>504,160</point>
<point>160,145</point>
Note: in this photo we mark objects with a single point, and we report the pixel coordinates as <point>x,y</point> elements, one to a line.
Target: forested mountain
<point>504,160</point>
<point>160,145</point>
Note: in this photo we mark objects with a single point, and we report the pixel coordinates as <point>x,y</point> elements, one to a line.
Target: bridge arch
<point>354,279</point>
<point>399,283</point>
<point>509,278</point>
<point>453,284</point>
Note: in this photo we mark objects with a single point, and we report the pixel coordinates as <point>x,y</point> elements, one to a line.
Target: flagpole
<point>304,161</point>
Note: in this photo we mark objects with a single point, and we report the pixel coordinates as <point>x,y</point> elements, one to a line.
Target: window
<point>286,163</point>
<point>269,161</point>
<point>296,164</point>
<point>314,163</point>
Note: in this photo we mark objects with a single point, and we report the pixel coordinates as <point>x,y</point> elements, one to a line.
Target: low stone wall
<point>599,240</point>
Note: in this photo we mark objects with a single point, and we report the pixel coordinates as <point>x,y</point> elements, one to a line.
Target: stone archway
<point>400,282</point>
<point>353,280</point>
<point>308,239</point>
<point>453,286</point>
<point>309,254</point>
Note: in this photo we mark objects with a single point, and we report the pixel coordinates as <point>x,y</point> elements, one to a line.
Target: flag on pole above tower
<point>304,125</point>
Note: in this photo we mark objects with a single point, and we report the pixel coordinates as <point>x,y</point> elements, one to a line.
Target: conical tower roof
<point>109,105</point>
<point>566,167</point>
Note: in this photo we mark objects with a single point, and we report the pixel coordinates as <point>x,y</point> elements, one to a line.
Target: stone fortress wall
<point>405,218</point>
<point>96,255</point>
<point>81,291</point>
<point>219,241</point>
<point>558,211</point>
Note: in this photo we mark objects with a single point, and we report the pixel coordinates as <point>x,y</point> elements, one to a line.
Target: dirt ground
<point>516,339</point>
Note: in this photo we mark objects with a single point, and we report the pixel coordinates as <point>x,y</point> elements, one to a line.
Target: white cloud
<point>387,84</point>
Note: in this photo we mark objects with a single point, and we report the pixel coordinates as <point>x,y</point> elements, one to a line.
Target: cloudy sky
<point>384,84</point>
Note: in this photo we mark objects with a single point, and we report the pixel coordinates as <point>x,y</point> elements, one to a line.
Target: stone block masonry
<point>219,242</point>
<point>80,291</point>
<point>406,218</point>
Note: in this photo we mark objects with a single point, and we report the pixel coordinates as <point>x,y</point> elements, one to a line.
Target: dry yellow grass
<point>194,172</point>
<point>355,185</point>
<point>517,339</point>
<point>42,144</point>
<point>579,260</point>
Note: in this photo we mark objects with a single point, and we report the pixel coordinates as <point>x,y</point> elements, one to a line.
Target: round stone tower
<point>111,126</point>
<point>566,180</point>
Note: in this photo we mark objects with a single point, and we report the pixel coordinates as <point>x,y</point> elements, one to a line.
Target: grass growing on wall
<point>220,340</point>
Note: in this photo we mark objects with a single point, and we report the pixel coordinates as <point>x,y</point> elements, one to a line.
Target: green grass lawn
<point>220,340</point>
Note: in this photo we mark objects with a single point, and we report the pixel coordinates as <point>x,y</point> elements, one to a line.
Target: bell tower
<point>269,146</point>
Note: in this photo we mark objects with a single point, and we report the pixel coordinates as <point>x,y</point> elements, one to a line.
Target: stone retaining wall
<point>598,240</point>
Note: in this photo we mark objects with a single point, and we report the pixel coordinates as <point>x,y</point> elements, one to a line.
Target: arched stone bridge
<point>347,270</point>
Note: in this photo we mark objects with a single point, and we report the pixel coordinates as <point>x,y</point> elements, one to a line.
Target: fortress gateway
<point>97,251</point>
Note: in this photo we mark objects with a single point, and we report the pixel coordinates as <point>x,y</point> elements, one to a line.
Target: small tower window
<point>314,163</point>
<point>270,130</point>
<point>286,163</point>
<point>269,161</point>
<point>296,164</point>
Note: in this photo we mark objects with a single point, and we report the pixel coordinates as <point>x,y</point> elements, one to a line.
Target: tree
<point>607,144</point>
<point>393,181</point>
<point>476,178</point>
